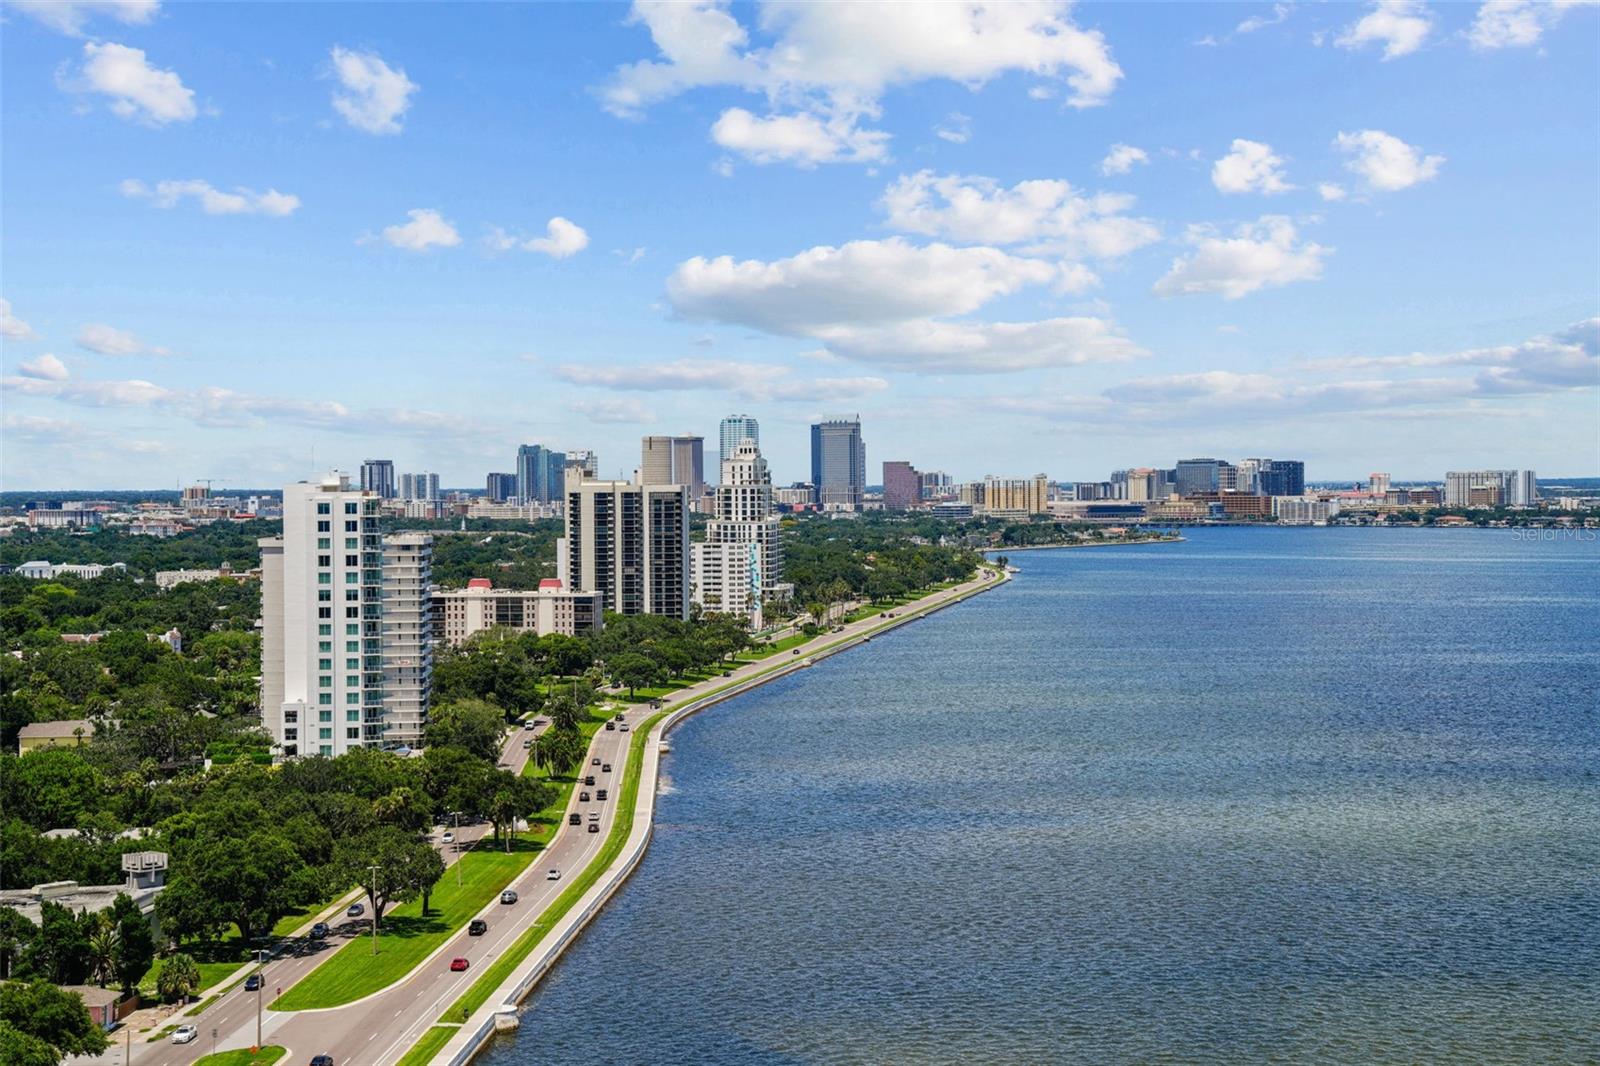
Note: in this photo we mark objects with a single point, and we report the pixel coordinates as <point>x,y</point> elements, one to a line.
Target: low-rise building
<point>63,518</point>
<point>39,569</point>
<point>551,608</point>
<point>68,733</point>
<point>166,579</point>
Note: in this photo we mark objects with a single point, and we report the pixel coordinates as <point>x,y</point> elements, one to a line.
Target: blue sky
<point>246,242</point>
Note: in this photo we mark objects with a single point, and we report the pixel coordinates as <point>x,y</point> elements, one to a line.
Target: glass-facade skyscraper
<point>838,464</point>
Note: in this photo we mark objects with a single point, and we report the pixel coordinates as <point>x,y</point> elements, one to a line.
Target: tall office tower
<point>1247,476</point>
<point>674,461</point>
<point>329,584</point>
<point>1200,475</point>
<point>588,460</point>
<point>1278,477</point>
<point>531,474</point>
<point>740,565</point>
<point>902,486</point>
<point>408,487</point>
<point>838,464</point>
<point>736,428</point>
<point>934,483</point>
<point>1143,484</point>
<point>419,487</point>
<point>377,476</point>
<point>1027,495</point>
<point>500,487</point>
<point>630,543</point>
<point>1377,484</point>
<point>1524,489</point>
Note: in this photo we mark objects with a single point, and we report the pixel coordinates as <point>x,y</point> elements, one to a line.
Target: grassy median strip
<point>423,1051</point>
<point>244,1057</point>
<point>407,936</point>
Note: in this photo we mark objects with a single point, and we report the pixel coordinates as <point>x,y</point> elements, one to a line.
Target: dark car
<point>583,797</point>
<point>589,780</point>
<point>605,768</point>
<point>252,982</point>
<point>574,818</point>
<point>322,1060</point>
<point>600,794</point>
<point>355,910</point>
<point>611,725</point>
<point>319,931</point>
<point>477,927</point>
<point>594,827</point>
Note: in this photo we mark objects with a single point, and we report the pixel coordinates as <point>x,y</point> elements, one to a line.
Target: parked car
<point>477,927</point>
<point>508,896</point>
<point>252,982</point>
<point>185,1033</point>
<point>594,827</point>
<point>574,818</point>
<point>458,964</point>
<point>355,910</point>
<point>322,1060</point>
<point>600,794</point>
<point>553,875</point>
<point>319,931</point>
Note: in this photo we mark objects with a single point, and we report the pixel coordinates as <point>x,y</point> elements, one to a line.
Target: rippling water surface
<point>1266,795</point>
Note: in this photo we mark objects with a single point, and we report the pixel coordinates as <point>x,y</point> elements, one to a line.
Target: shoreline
<point>1084,544</point>
<point>504,1002</point>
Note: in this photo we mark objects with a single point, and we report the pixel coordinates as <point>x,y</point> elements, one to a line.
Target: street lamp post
<point>374,869</point>
<point>259,985</point>
<point>455,845</point>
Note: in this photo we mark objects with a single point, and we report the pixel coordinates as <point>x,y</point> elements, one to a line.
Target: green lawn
<point>243,1057</point>
<point>408,936</point>
<point>425,1049</point>
<point>211,973</point>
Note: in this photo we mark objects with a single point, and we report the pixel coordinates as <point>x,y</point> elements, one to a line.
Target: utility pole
<point>374,869</point>
<point>259,986</point>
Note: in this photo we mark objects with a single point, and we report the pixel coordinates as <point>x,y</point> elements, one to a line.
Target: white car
<point>185,1033</point>
<point>449,838</point>
<point>553,875</point>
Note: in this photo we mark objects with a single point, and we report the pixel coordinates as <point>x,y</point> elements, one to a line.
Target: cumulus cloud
<point>930,346</point>
<point>136,89</point>
<point>1280,13</point>
<point>1049,215</point>
<point>71,16</point>
<point>108,340</point>
<point>45,368</point>
<point>13,328</point>
<point>825,67</point>
<point>1331,191</point>
<point>375,96</point>
<point>749,381</point>
<point>213,201</point>
<point>1386,162</point>
<point>1121,159</point>
<point>562,240</point>
<point>1400,26</point>
<point>1261,254</point>
<point>623,410</point>
<point>1516,23</point>
<point>1250,167</point>
<point>427,229</point>
<point>1567,359</point>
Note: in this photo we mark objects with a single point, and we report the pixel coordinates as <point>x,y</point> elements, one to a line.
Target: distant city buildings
<point>839,464</point>
<point>1490,488</point>
<point>499,488</point>
<point>415,487</point>
<point>902,486</point>
<point>733,430</point>
<point>630,543</point>
<point>39,570</point>
<point>541,474</point>
<point>63,518</point>
<point>551,608</point>
<point>377,477</point>
<point>675,461</point>
<point>346,638</point>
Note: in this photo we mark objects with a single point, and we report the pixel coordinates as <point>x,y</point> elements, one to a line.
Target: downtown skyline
<point>1099,239</point>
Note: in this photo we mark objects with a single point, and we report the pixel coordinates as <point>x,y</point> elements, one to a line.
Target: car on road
<point>605,768</point>
<point>448,838</point>
<point>594,827</point>
<point>583,797</point>
<point>322,1060</point>
<point>477,927</point>
<point>553,875</point>
<point>574,818</point>
<point>252,982</point>
<point>595,761</point>
<point>589,780</point>
<point>185,1033</point>
<point>611,725</point>
<point>458,964</point>
<point>355,910</point>
<point>508,896</point>
<point>594,816</point>
<point>623,728</point>
<point>319,931</point>
<point>527,744</point>
<point>530,724</point>
<point>600,794</point>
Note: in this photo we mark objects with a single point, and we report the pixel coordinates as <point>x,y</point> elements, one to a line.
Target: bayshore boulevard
<point>381,1028</point>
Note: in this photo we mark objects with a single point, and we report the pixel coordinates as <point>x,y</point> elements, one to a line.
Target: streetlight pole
<point>455,845</point>
<point>259,985</point>
<point>374,869</point>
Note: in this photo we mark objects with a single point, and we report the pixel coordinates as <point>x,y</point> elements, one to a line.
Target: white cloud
<point>751,381</point>
<point>1047,213</point>
<point>1331,191</point>
<point>929,346</point>
<point>213,201</point>
<point>376,95</point>
<point>1121,159</point>
<point>1250,167</point>
<point>137,90</point>
<point>45,368</point>
<point>70,16</point>
<point>1262,254</point>
<point>1399,25</point>
<point>1280,12</point>
<point>107,340</point>
<point>427,229</point>
<point>1569,359</point>
<point>623,410</point>
<point>827,65</point>
<point>1516,23</point>
<point>957,129</point>
<point>13,328</point>
<point>563,239</point>
<point>1385,161</point>
<point>862,282</point>
<point>803,138</point>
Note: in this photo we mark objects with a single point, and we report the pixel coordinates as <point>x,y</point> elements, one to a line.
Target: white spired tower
<point>346,642</point>
<point>739,566</point>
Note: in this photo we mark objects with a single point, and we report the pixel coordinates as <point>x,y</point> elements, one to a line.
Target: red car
<point>458,964</point>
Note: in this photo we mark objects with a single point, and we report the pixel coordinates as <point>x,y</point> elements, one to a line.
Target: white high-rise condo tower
<point>739,566</point>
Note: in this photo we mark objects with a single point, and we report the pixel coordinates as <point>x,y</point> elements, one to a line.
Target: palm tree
<point>103,945</point>
<point>179,976</point>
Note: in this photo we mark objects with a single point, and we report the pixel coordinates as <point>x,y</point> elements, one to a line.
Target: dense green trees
<point>40,1025</point>
<point>179,978</point>
<point>473,724</point>
<point>390,864</point>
